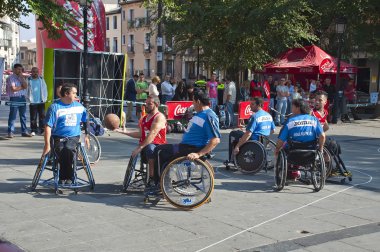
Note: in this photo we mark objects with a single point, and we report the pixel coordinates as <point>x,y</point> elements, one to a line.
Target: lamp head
<point>340,25</point>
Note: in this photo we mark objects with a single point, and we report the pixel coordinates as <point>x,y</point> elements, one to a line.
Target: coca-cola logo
<point>325,64</point>
<point>247,110</point>
<point>179,110</point>
<point>75,34</point>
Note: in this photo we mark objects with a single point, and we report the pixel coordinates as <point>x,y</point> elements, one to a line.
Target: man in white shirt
<point>229,99</point>
<point>167,90</point>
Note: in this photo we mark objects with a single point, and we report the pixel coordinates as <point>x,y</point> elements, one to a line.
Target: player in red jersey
<point>152,132</point>
<point>319,110</point>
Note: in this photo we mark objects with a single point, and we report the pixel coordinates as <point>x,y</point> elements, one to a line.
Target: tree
<point>48,12</point>
<point>237,34</point>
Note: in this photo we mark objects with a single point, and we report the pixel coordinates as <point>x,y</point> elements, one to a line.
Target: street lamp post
<point>340,27</point>
<point>85,4</point>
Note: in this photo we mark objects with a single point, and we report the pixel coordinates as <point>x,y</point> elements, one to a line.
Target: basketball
<point>111,121</point>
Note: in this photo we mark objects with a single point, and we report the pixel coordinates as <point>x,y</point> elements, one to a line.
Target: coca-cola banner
<point>72,37</point>
<point>177,109</point>
<point>245,109</point>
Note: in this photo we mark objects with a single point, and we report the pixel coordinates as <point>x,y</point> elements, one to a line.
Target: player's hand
<point>46,150</point>
<point>193,156</point>
<point>136,151</point>
<point>87,141</point>
<point>236,150</point>
<point>120,130</point>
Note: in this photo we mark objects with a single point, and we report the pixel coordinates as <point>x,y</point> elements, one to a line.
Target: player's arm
<point>47,136</point>
<point>279,145</point>
<point>242,141</point>
<point>158,124</point>
<point>321,141</point>
<point>134,134</point>
<point>326,127</point>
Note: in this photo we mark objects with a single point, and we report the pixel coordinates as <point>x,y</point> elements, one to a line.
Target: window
<point>107,23</point>
<point>147,42</point>
<point>131,43</point>
<point>114,47</point>
<point>115,22</point>
<point>131,67</point>
<point>131,15</point>
<point>107,44</point>
<point>169,67</point>
<point>22,56</point>
<point>123,40</point>
<point>147,68</point>
<point>123,15</point>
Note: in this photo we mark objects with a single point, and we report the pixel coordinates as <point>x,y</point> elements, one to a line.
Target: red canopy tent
<point>307,60</point>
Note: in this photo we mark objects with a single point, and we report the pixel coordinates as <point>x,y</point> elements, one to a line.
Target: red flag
<point>267,89</point>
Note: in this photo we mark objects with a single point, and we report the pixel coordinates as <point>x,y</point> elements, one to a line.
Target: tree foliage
<point>52,16</point>
<point>248,33</point>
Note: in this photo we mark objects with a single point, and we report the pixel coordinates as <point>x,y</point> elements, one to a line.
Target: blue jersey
<point>65,119</point>
<point>301,128</point>
<point>202,127</point>
<point>260,124</point>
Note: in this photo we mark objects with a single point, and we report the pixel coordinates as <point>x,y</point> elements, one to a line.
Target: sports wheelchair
<point>50,162</point>
<point>253,155</point>
<point>303,157</point>
<point>184,183</point>
<point>335,166</point>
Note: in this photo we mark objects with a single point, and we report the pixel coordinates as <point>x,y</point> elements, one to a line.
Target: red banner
<point>267,89</point>
<point>245,109</point>
<point>177,109</point>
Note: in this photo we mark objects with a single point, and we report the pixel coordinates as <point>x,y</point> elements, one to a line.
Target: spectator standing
<point>229,99</point>
<point>290,85</point>
<point>180,92</point>
<point>273,94</point>
<point>141,90</point>
<point>244,91</point>
<point>282,101</point>
<point>329,89</point>
<point>190,91</point>
<point>350,94</point>
<point>212,91</point>
<point>256,89</point>
<point>37,96</point>
<point>167,90</point>
<point>313,86</point>
<point>153,91</point>
<point>340,107</point>
<point>16,89</point>
<point>130,95</point>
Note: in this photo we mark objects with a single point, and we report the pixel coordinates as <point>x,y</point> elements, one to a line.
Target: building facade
<point>28,54</point>
<point>113,29</point>
<point>9,42</point>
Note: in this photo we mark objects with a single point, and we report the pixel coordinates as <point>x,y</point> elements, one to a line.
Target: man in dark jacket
<point>130,96</point>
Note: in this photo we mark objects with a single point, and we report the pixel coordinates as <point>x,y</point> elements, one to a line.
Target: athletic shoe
<point>10,135</point>
<point>26,135</point>
<point>33,133</point>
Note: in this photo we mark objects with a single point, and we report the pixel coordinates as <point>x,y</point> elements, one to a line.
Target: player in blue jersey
<point>260,124</point>
<point>301,127</point>
<point>200,138</point>
<point>62,125</point>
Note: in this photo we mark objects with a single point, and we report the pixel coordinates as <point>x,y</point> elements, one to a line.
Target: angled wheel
<point>94,151</point>
<point>135,174</point>
<point>318,172</point>
<point>187,184</point>
<point>270,148</point>
<point>40,168</point>
<point>129,172</point>
<point>280,171</point>
<point>86,166</point>
<point>251,157</point>
<point>328,161</point>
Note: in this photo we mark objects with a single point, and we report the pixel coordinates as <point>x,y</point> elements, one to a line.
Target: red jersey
<point>321,118</point>
<point>255,93</point>
<point>145,129</point>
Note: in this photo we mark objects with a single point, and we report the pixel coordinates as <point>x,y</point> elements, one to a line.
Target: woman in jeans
<point>282,100</point>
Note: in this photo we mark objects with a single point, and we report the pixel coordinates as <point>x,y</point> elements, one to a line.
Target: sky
<point>28,33</point>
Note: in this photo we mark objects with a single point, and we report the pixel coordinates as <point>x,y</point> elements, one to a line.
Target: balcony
<point>5,42</point>
<point>147,47</point>
<point>131,49</point>
<point>139,22</point>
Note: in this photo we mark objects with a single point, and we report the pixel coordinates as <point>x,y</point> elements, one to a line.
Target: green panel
<point>49,74</point>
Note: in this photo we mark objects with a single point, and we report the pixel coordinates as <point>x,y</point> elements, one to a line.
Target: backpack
<point>95,127</point>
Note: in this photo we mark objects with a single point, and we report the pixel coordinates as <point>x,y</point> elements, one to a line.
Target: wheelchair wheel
<point>135,175</point>
<point>280,171</point>
<point>40,168</point>
<point>86,166</point>
<point>187,184</point>
<point>318,172</point>
<point>251,157</point>
<point>95,150</point>
<point>328,161</point>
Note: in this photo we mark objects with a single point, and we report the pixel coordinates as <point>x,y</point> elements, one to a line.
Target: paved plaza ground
<point>245,213</point>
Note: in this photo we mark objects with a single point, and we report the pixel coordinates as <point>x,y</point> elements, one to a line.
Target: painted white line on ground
<point>289,212</point>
